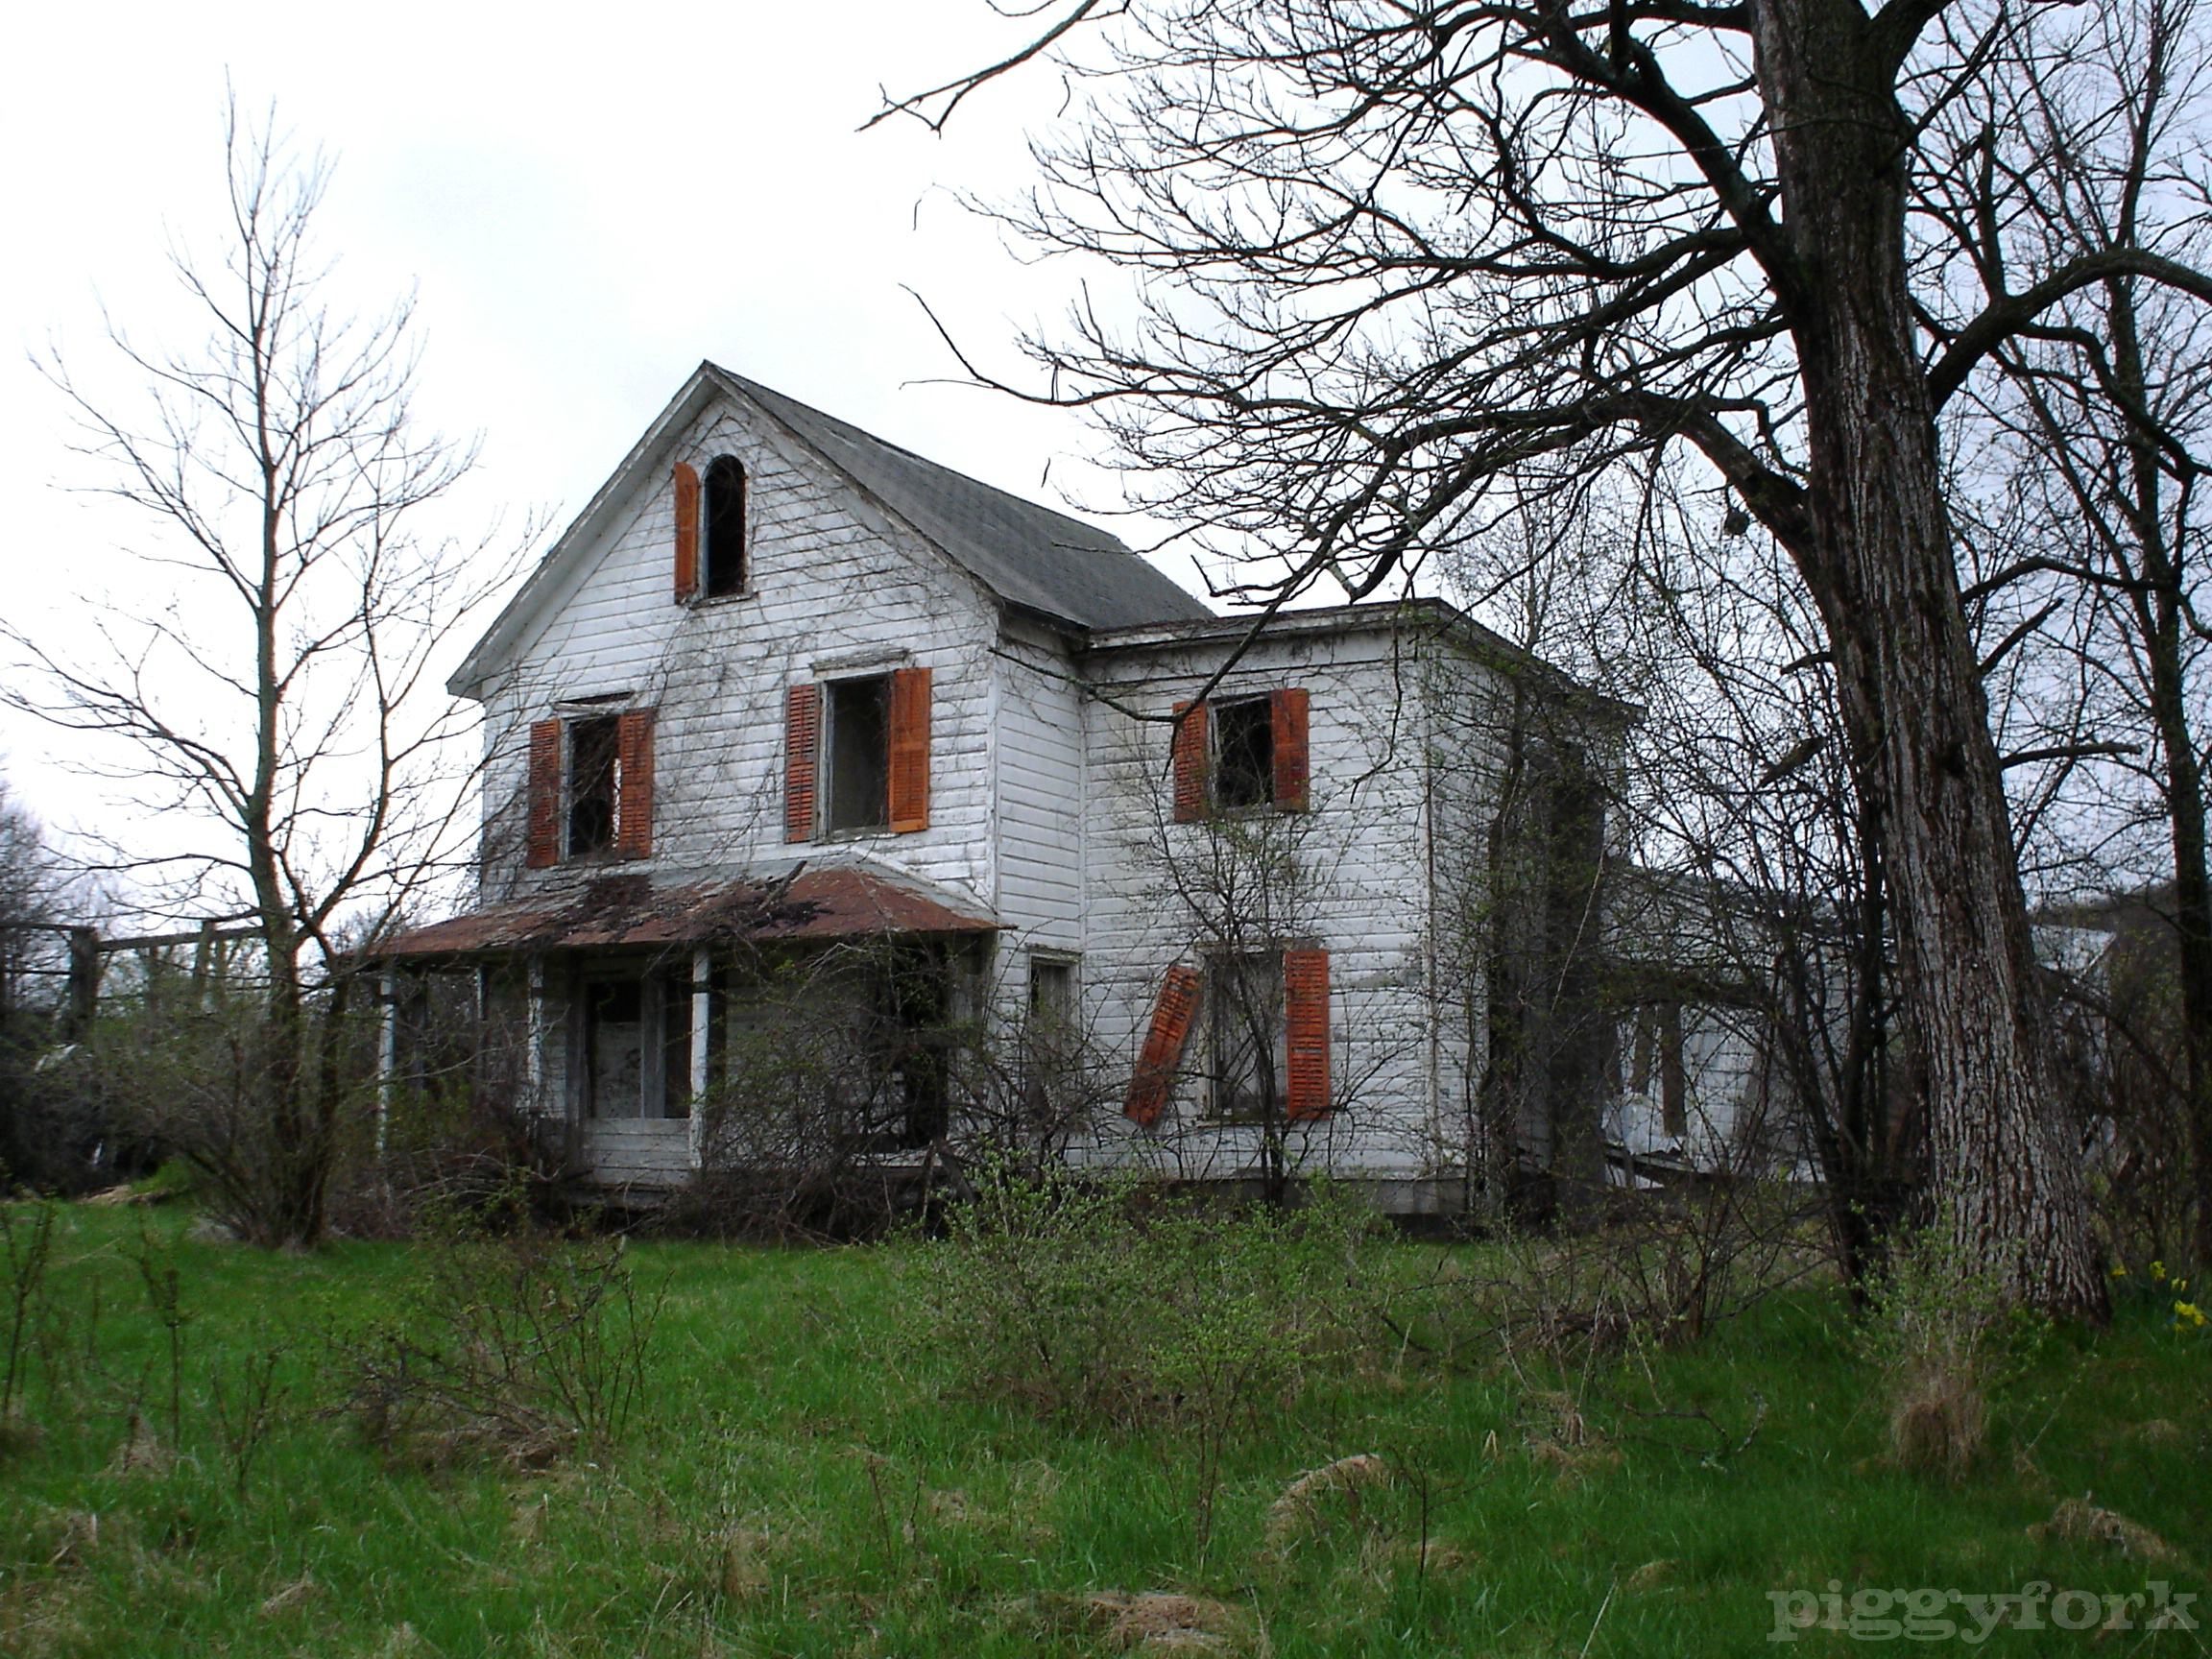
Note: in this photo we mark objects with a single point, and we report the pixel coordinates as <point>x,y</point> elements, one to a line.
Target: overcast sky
<point>586,202</point>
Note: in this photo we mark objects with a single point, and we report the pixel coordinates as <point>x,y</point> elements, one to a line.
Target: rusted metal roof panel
<point>628,911</point>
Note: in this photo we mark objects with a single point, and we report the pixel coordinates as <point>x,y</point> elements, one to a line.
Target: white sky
<point>588,202</point>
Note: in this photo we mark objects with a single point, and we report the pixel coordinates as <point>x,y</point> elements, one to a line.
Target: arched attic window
<point>725,526</point>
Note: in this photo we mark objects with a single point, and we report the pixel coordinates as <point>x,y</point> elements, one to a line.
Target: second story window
<point>856,755</point>
<point>858,742</point>
<point>590,787</point>
<point>1244,754</point>
<point>594,775</point>
<point>1240,756</point>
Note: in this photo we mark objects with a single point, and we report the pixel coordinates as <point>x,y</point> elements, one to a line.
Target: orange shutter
<point>634,786</point>
<point>1289,710</point>
<point>1163,1049</point>
<point>910,749</point>
<point>802,750</point>
<point>542,833</point>
<point>1190,762</point>
<point>1305,1019</point>
<point>686,533</point>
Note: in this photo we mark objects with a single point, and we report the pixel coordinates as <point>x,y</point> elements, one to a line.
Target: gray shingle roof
<point>1028,555</point>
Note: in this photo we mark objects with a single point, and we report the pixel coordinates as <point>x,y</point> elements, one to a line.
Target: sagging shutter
<point>1288,707</point>
<point>1163,1050</point>
<point>802,756</point>
<point>1306,1021</point>
<point>686,533</point>
<point>909,748</point>
<point>634,792</point>
<point>542,830</point>
<point>1190,762</point>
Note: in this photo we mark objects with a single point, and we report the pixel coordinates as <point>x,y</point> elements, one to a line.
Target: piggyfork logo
<point>1928,1614</point>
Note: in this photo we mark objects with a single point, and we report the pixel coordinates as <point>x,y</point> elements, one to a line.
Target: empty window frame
<point>594,784</point>
<point>725,516</point>
<point>1247,1037</point>
<point>1244,755</point>
<point>857,746</point>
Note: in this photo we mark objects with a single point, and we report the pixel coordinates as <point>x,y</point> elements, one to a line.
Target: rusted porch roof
<point>618,911</point>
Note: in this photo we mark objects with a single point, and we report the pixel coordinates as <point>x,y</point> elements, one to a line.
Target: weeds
<point>520,1345</point>
<point>26,1247</point>
<point>1941,1336</point>
<point>246,1410</point>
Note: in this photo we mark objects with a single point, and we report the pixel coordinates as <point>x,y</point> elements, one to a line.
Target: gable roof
<point>1031,557</point>
<point>1028,555</point>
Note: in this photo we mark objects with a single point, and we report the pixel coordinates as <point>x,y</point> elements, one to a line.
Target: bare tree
<point>272,688</point>
<point>1407,262</point>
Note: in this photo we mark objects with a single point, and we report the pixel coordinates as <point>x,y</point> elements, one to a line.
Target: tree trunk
<point>1879,563</point>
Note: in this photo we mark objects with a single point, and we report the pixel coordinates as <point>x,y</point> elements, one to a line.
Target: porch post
<point>387,1052</point>
<point>702,1013</point>
<point>534,1050</point>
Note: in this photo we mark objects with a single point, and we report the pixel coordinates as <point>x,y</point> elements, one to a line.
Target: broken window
<point>858,741</point>
<point>595,779</point>
<point>725,527</point>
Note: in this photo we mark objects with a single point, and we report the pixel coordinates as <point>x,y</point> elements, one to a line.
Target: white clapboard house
<point>786,688</point>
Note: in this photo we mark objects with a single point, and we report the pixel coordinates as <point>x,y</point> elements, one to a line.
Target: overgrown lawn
<point>803,1477</point>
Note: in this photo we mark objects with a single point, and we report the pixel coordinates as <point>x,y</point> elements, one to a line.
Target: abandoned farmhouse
<point>834,795</point>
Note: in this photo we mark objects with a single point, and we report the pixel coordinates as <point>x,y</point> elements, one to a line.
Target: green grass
<point>802,1480</point>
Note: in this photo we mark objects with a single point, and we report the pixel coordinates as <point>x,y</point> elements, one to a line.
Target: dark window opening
<point>725,527</point>
<point>859,740</point>
<point>1244,754</point>
<point>1247,1036</point>
<point>1051,994</point>
<point>595,749</point>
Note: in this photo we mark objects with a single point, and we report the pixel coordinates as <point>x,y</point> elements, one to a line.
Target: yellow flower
<point>2158,1271</point>
<point>2119,1272</point>
<point>2188,1311</point>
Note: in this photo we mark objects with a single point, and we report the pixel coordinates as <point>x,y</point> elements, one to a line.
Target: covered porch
<point>662,1027</point>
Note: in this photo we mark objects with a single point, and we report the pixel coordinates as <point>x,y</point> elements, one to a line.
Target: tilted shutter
<point>802,751</point>
<point>909,748</point>
<point>686,533</point>
<point>634,798</point>
<point>1163,1049</point>
<point>1306,1019</point>
<point>1289,710</point>
<point>541,831</point>
<point>1190,762</point>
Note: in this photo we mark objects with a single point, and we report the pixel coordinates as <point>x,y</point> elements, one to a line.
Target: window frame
<point>715,550</point>
<point>1266,1104</point>
<point>608,783</point>
<point>833,691</point>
